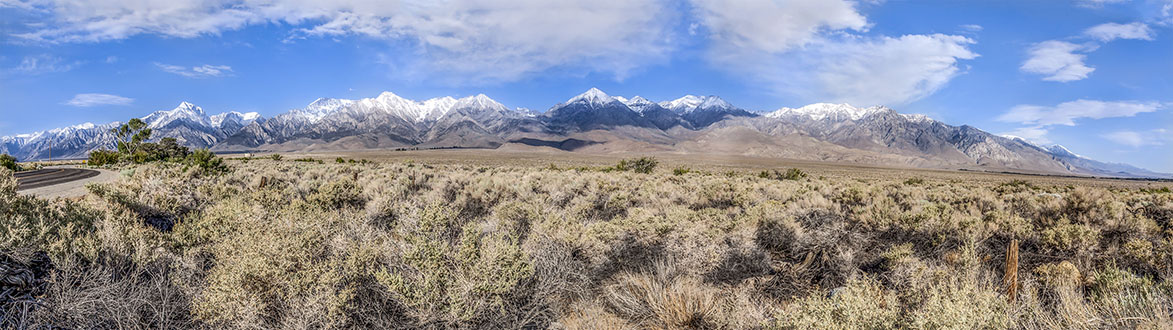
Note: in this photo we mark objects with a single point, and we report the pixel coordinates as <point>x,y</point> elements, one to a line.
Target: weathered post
<point>264,180</point>
<point>1011,278</point>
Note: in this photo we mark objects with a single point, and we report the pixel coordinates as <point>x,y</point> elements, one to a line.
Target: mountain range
<point>594,122</point>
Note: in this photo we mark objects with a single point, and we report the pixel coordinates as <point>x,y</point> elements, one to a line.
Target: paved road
<point>53,176</point>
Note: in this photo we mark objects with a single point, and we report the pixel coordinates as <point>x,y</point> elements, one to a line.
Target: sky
<point>1093,75</point>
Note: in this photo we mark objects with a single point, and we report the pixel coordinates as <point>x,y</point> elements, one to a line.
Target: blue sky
<point>1092,75</point>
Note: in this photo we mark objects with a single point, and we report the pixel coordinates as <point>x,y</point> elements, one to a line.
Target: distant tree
<point>206,160</point>
<point>167,149</point>
<point>130,135</point>
<point>9,162</point>
<point>103,157</point>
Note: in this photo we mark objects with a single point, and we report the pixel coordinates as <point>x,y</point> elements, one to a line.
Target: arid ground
<point>523,239</point>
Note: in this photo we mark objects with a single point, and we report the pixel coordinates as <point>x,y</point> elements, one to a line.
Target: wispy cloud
<point>1138,139</point>
<point>96,99</point>
<point>41,64</point>
<point>202,71</point>
<point>1038,119</point>
<point>478,40</point>
<point>1063,61</point>
<point>1067,113</point>
<point>1111,31</point>
<point>811,48</point>
<point>1058,60</point>
<point>1098,3</point>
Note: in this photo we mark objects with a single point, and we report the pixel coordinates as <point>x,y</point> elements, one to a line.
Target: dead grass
<point>451,245</point>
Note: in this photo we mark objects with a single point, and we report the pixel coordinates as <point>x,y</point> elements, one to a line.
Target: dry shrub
<point>662,297</point>
<point>860,304</point>
<point>457,246</point>
<point>114,294</point>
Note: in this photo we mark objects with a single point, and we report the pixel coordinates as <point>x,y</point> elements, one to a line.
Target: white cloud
<point>1066,113</point>
<point>807,47</point>
<point>888,70</point>
<point>1111,31</point>
<point>203,71</point>
<point>1098,3</point>
<point>94,99</point>
<point>775,26</point>
<point>1058,61</point>
<point>111,59</point>
<point>473,39</point>
<point>1136,139</point>
<point>972,27</point>
<point>40,64</point>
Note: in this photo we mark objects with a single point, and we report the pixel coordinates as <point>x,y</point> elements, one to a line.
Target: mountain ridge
<point>601,123</point>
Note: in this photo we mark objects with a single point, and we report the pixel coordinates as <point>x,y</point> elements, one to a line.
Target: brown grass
<point>455,245</point>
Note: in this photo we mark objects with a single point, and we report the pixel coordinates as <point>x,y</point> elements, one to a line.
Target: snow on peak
<point>479,102</point>
<point>187,106</point>
<point>713,101</point>
<point>592,96</point>
<point>638,100</point>
<point>916,117</point>
<point>82,126</point>
<point>322,107</point>
<point>240,118</point>
<point>185,112</point>
<point>1060,150</point>
<point>427,110</point>
<point>638,103</point>
<point>820,111</point>
<point>684,103</point>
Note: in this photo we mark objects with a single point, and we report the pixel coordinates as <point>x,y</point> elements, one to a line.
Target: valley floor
<point>522,239</point>
<point>717,163</point>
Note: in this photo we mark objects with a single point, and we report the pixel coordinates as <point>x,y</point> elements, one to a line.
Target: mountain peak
<point>638,100</point>
<point>479,101</point>
<point>1060,150</point>
<point>683,103</point>
<point>820,111</point>
<point>713,101</point>
<point>188,107</point>
<point>592,96</point>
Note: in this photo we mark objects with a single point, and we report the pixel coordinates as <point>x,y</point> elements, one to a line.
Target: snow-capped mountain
<point>704,111</point>
<point>187,123</point>
<point>594,122</point>
<point>820,111</point>
<point>385,121</point>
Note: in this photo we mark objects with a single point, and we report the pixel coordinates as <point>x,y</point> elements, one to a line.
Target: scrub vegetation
<point>291,244</point>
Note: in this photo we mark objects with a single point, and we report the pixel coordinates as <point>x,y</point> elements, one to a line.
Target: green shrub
<point>207,161</point>
<point>276,157</point>
<point>9,162</point>
<point>643,165</point>
<point>103,158</point>
<point>339,160</point>
<point>790,174</point>
<point>681,171</point>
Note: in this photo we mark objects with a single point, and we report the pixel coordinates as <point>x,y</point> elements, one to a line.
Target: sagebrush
<point>410,245</point>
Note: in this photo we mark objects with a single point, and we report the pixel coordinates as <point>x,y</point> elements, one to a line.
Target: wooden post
<point>264,180</point>
<point>355,177</point>
<point>1011,277</point>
